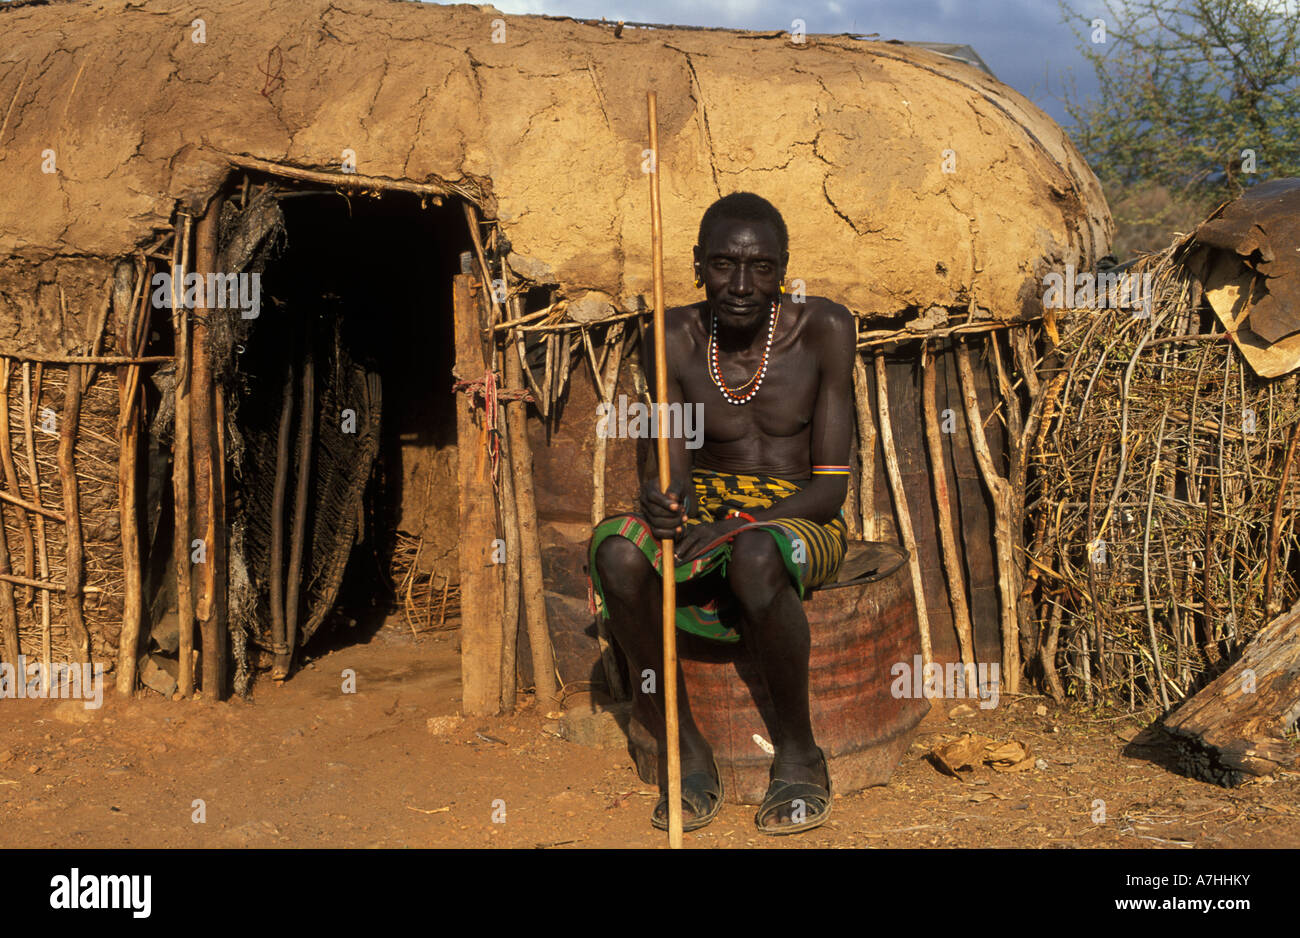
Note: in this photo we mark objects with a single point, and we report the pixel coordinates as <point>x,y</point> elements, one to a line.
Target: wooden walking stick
<point>665,480</point>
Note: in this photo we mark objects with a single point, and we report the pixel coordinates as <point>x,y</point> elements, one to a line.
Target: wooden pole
<point>943,507</point>
<point>548,375</point>
<point>1000,490</point>
<point>11,476</point>
<point>489,293</point>
<point>665,480</point>
<point>220,545</point>
<point>31,399</point>
<point>72,509</point>
<point>1047,655</point>
<point>527,372</point>
<point>44,359</point>
<point>298,533</point>
<point>900,505</point>
<point>45,584</point>
<point>128,316</point>
<point>508,640</point>
<point>8,607</point>
<point>50,513</point>
<point>521,462</point>
<point>181,464</point>
<point>510,532</point>
<point>606,389</point>
<point>565,345</point>
<point>89,370</point>
<point>202,407</point>
<point>866,449</point>
<point>1018,436</point>
<point>430,191</point>
<point>481,582</point>
<point>280,664</point>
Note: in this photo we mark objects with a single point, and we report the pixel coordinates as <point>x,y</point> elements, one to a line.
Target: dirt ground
<point>306,765</point>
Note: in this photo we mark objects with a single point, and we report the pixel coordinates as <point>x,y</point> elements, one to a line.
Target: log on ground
<point>1244,722</point>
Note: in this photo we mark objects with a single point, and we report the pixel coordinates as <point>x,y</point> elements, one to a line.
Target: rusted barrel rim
<point>893,557</point>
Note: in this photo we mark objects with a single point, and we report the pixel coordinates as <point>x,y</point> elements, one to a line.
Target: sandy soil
<point>304,765</point>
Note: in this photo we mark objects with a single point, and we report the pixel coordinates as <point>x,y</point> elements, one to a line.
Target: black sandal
<point>782,793</point>
<point>697,790</point>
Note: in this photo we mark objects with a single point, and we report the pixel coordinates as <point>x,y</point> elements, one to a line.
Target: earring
<point>698,282</point>
<point>783,288</point>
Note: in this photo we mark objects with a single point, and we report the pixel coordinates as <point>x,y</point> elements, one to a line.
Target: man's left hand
<point>698,535</point>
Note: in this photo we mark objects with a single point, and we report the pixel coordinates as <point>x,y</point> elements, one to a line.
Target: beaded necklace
<point>732,395</point>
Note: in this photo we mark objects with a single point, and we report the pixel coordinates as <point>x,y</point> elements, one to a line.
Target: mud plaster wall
<point>846,137</point>
<point>430,507</point>
<point>51,306</point>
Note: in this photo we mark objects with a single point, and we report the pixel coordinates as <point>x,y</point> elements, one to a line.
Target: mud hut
<point>415,198</point>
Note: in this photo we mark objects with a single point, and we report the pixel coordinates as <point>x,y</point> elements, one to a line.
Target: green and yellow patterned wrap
<point>812,552</point>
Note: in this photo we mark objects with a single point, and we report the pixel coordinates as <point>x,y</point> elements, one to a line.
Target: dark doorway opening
<point>352,350</point>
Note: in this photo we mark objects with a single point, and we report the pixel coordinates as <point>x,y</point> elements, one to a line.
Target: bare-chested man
<point>774,377</point>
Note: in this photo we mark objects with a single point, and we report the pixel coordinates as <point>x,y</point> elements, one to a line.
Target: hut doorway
<point>341,422</point>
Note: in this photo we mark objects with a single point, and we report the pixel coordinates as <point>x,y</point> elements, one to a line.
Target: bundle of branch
<point>429,600</point>
<point>1164,499</point>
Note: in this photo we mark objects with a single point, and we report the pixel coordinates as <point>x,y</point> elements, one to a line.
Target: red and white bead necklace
<point>729,394</point>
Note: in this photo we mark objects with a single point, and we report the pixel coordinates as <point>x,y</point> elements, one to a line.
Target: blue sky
<point>1026,43</point>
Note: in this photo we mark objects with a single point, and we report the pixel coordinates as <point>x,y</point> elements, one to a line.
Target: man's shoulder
<point>681,321</point>
<point>678,320</point>
<point>675,315</point>
<point>830,320</point>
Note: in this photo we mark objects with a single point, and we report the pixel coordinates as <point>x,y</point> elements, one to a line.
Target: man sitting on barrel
<point>761,519</point>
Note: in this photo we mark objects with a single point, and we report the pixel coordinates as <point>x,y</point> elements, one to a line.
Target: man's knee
<point>622,566</point>
<point>756,573</point>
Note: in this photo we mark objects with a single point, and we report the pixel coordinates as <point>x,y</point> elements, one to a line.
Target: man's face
<point>742,268</point>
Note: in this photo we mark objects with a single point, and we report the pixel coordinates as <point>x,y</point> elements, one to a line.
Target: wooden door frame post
<point>482,587</point>
<point>210,575</point>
